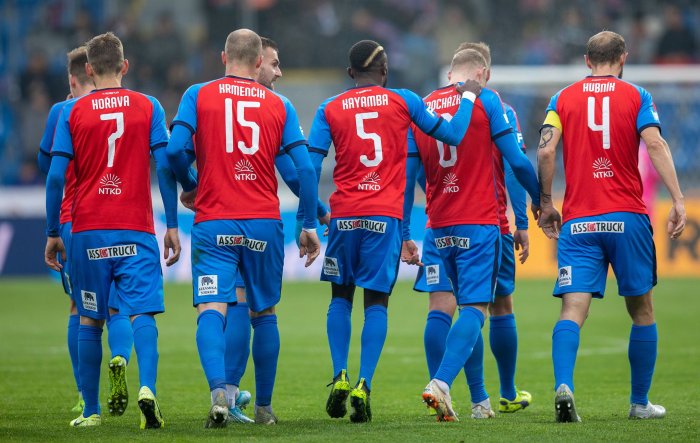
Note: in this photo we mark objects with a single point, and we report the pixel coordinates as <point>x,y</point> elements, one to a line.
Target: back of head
<point>481,47</point>
<point>605,48</point>
<point>76,64</point>
<point>367,56</point>
<point>243,46</point>
<point>105,54</point>
<point>468,59</point>
<point>269,43</point>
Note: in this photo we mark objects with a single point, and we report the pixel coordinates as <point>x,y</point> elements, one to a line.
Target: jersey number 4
<point>604,127</point>
<point>240,118</point>
<point>112,139</point>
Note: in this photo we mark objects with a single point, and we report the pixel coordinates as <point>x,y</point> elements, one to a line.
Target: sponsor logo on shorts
<point>615,227</point>
<point>432,274</point>
<point>244,171</point>
<point>450,182</point>
<point>452,241</point>
<point>208,285</point>
<point>89,300</point>
<point>602,168</point>
<point>362,223</point>
<point>565,276</point>
<point>370,182</point>
<point>330,267</point>
<point>110,184</point>
<point>241,240</point>
<point>112,252</point>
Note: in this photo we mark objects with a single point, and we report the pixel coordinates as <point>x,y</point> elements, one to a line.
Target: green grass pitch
<point>37,389</point>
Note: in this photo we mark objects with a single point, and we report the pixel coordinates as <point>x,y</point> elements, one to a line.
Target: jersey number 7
<point>112,139</point>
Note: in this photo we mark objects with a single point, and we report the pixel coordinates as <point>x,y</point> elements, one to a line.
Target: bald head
<point>605,48</point>
<point>244,47</point>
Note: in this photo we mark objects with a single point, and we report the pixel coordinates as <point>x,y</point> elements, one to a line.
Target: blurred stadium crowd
<point>174,43</point>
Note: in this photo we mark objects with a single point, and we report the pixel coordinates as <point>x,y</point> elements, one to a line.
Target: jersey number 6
<point>240,117</point>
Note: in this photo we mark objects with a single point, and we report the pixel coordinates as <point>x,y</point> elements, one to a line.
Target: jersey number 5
<point>604,127</point>
<point>240,117</point>
<point>112,139</point>
<point>360,124</point>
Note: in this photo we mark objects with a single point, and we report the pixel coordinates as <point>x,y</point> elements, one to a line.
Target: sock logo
<point>208,285</point>
<point>330,267</point>
<point>89,300</point>
<point>565,276</point>
<point>432,274</point>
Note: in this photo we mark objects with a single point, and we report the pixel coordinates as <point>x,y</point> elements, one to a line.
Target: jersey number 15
<point>240,118</point>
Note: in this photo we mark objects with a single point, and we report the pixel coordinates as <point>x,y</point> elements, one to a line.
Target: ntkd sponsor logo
<point>244,171</point>
<point>110,185</point>
<point>602,168</point>
<point>370,182</point>
<point>89,300</point>
<point>452,241</point>
<point>112,252</point>
<point>367,225</point>
<point>208,285</point>
<point>241,240</point>
<point>450,182</point>
<point>615,227</point>
<point>565,276</point>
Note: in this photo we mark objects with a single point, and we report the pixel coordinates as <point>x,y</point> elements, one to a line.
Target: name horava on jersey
<point>365,101</point>
<point>616,227</point>
<point>241,91</point>
<point>241,240</point>
<point>109,185</point>
<point>110,102</point>
<point>602,168</point>
<point>362,223</point>
<point>112,252</point>
<point>244,171</point>
<point>452,241</point>
<point>599,87</point>
<point>450,181</point>
<point>370,182</point>
<point>444,102</point>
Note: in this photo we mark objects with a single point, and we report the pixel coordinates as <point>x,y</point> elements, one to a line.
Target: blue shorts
<point>223,248</point>
<point>64,231</point>
<point>129,259</point>
<point>432,276</point>
<point>363,251</point>
<point>471,254</point>
<point>588,244</point>
<point>505,283</point>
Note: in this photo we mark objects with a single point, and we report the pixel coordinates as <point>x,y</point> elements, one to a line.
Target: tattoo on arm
<point>546,137</point>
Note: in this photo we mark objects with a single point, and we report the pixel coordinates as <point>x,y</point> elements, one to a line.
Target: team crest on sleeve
<point>432,274</point>
<point>208,285</point>
<point>89,300</point>
<point>330,267</point>
<point>564,276</point>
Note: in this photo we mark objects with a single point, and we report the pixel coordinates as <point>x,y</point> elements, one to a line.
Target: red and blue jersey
<point>109,134</point>
<point>368,126</point>
<point>460,187</point>
<point>601,119</point>
<point>239,126</point>
<point>45,149</point>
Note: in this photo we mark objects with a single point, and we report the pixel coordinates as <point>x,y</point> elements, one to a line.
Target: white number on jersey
<point>604,127</point>
<point>441,149</point>
<point>360,123</point>
<point>112,139</point>
<point>240,117</point>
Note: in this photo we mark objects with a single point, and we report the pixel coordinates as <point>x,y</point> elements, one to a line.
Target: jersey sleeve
<point>551,115</point>
<point>515,124</point>
<point>292,136</point>
<point>187,111</point>
<point>647,116</point>
<point>498,119</point>
<point>412,146</point>
<point>425,119</point>
<point>159,130</point>
<point>320,135</point>
<point>50,129</point>
<point>62,140</point>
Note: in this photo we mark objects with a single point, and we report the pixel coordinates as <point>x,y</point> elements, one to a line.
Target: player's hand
<point>469,85</point>
<point>535,211</point>
<point>550,222</point>
<point>187,199</point>
<point>521,240</point>
<point>325,220</point>
<point>54,246</point>
<point>171,242</point>
<point>409,253</point>
<point>309,246</point>
<point>676,219</point>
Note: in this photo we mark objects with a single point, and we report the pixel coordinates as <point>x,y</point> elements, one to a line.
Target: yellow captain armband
<point>552,119</point>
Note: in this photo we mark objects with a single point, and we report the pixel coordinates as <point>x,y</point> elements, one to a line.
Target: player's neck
<point>242,72</point>
<point>605,70</point>
<point>364,80</point>
<point>107,81</point>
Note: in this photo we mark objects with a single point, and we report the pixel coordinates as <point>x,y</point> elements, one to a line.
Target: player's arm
<point>516,192</point>
<point>409,250</point>
<point>44,156</point>
<point>547,216</point>
<point>184,127</point>
<point>420,177</point>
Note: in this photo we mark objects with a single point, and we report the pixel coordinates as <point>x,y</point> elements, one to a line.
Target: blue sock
<point>565,339</point>
<point>237,335</point>
<point>460,343</point>
<point>504,344</point>
<point>212,346</point>
<point>146,343</point>
<point>436,329</point>
<point>474,370</point>
<point>338,328</point>
<point>73,328</point>
<point>90,352</point>
<point>266,351</point>
<point>642,356</point>
<point>120,335</point>
<point>373,337</point>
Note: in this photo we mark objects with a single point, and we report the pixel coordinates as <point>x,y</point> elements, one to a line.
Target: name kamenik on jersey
<point>614,227</point>
<point>241,91</point>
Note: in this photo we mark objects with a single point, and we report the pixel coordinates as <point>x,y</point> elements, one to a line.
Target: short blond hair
<point>480,47</point>
<point>468,58</point>
<point>76,64</point>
